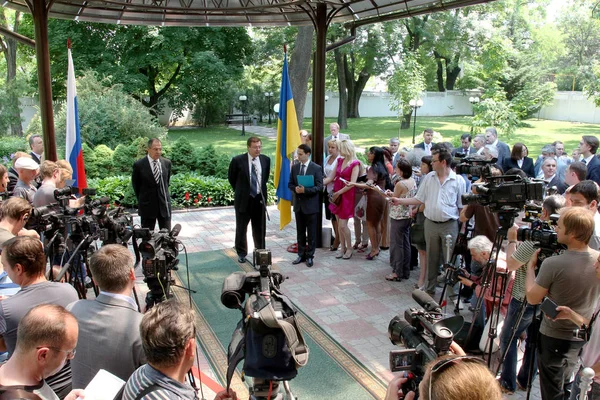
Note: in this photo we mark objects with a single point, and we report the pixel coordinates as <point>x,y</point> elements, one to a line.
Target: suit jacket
<point>527,167</point>
<point>239,179</point>
<point>307,202</point>
<point>422,145</point>
<point>561,186</point>
<point>35,158</point>
<point>460,150</point>
<point>109,338</point>
<point>593,170</point>
<point>152,200</point>
<point>503,152</point>
<point>341,136</point>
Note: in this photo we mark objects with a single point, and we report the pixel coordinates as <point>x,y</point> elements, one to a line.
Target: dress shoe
<point>241,259</point>
<point>298,260</point>
<point>309,262</point>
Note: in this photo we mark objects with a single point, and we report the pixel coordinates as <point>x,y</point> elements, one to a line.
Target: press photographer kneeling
<point>568,280</point>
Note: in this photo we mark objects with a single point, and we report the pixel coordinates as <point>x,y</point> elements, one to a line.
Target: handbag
<point>417,234</point>
<point>337,201</point>
<point>360,211</point>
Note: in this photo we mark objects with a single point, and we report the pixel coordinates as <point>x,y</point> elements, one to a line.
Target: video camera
<point>267,338</point>
<point>159,251</point>
<point>425,336</point>
<point>474,165</point>
<point>543,235</point>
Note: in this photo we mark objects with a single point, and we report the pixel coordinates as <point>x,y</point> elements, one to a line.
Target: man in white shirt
<point>37,148</point>
<point>427,143</point>
<point>479,144</point>
<point>334,129</point>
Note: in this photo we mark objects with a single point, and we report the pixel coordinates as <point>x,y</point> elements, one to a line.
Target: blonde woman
<point>346,171</point>
<point>329,167</point>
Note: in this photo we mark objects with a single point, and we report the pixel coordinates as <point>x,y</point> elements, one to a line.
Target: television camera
<point>425,336</point>
<point>267,337</point>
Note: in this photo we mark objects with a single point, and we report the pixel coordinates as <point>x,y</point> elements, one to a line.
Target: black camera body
<point>424,334</point>
<point>159,251</point>
<point>475,166</point>
<point>543,235</point>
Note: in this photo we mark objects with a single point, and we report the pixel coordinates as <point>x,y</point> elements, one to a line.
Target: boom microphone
<point>426,301</point>
<point>175,231</point>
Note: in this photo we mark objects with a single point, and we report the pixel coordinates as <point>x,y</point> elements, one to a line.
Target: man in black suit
<point>549,170</point>
<point>37,148</point>
<point>587,148</point>
<point>306,204</point>
<point>248,176</point>
<point>491,137</point>
<point>465,145</point>
<point>150,180</point>
<point>427,142</point>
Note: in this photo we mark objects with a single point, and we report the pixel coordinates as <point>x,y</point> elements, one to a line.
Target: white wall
<point>571,106</point>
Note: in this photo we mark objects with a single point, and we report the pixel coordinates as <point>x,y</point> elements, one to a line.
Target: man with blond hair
<point>111,322</point>
<point>14,214</point>
<point>568,279</point>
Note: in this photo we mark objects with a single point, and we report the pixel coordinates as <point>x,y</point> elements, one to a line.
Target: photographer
<point>169,340</point>
<point>569,280</point>
<point>517,259</point>
<point>451,378</point>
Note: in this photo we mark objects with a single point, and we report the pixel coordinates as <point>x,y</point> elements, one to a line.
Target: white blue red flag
<point>74,149</point>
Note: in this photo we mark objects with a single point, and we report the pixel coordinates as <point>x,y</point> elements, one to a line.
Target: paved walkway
<point>350,299</point>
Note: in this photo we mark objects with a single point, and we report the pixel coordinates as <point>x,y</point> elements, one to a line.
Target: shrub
<point>104,160</point>
<point>183,156</point>
<point>118,188</point>
<point>212,163</point>
<point>9,145</point>
<point>123,158</point>
<point>207,190</point>
<point>89,158</point>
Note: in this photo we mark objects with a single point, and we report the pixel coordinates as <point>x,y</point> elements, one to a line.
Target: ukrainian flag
<point>288,139</point>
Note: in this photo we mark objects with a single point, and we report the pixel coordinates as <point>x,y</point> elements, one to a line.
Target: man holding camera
<point>111,322</point>
<point>14,214</point>
<point>517,259</point>
<point>557,278</point>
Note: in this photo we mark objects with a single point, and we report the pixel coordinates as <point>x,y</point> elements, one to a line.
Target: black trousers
<point>557,359</point>
<point>306,225</point>
<point>150,222</point>
<point>255,213</point>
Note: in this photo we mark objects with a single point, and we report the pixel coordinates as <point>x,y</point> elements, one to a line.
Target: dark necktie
<point>584,161</point>
<point>156,171</point>
<point>253,180</point>
<point>302,168</point>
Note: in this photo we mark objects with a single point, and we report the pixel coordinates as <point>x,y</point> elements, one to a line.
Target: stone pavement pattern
<point>349,299</point>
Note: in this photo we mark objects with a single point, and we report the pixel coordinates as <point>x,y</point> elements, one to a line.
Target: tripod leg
<point>513,331</point>
<point>531,348</point>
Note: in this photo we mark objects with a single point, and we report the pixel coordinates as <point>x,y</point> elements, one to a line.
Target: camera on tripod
<point>474,165</point>
<point>543,235</point>
<point>267,338</point>
<point>425,336</point>
<point>159,251</point>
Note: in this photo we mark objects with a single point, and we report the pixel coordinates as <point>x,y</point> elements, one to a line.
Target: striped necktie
<point>156,171</point>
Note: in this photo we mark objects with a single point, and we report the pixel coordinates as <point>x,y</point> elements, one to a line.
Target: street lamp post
<point>243,100</point>
<point>473,101</point>
<point>415,104</point>
<point>268,95</point>
<point>276,109</point>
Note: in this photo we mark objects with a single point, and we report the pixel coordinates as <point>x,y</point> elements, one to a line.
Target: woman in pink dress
<point>347,169</point>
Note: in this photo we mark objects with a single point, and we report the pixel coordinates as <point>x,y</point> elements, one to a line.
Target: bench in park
<point>236,118</point>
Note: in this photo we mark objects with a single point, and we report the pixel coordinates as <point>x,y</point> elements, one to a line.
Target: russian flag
<point>74,150</point>
<point>288,139</point>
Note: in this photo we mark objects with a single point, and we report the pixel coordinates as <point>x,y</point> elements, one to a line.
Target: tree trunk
<point>405,124</point>
<point>10,55</point>
<point>300,69</point>
<point>341,74</point>
<point>452,73</point>
<point>440,71</point>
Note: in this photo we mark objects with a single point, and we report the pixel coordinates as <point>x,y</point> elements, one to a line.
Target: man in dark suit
<point>248,175</point>
<point>427,142</point>
<point>306,204</point>
<point>150,180</point>
<point>109,326</point>
<point>587,148</point>
<point>549,169</point>
<point>491,137</point>
<point>465,145</point>
<point>37,148</point>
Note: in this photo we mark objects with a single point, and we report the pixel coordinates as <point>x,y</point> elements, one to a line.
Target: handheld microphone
<point>426,301</point>
<point>175,231</point>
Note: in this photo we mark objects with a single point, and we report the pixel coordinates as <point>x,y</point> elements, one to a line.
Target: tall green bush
<point>104,160</point>
<point>183,156</point>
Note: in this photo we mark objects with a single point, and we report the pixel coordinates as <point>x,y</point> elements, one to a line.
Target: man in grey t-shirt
<point>569,280</point>
<point>24,261</point>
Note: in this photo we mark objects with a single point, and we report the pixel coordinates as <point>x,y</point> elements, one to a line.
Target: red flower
<point>199,196</point>
<point>187,196</point>
<point>209,200</point>
<point>196,201</point>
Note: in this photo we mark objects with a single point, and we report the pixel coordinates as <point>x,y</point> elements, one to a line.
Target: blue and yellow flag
<point>288,139</point>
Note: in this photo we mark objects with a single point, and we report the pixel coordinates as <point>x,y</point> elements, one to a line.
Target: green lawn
<point>366,132</point>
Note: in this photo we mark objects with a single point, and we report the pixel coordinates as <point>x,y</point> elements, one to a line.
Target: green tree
<point>407,83</point>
